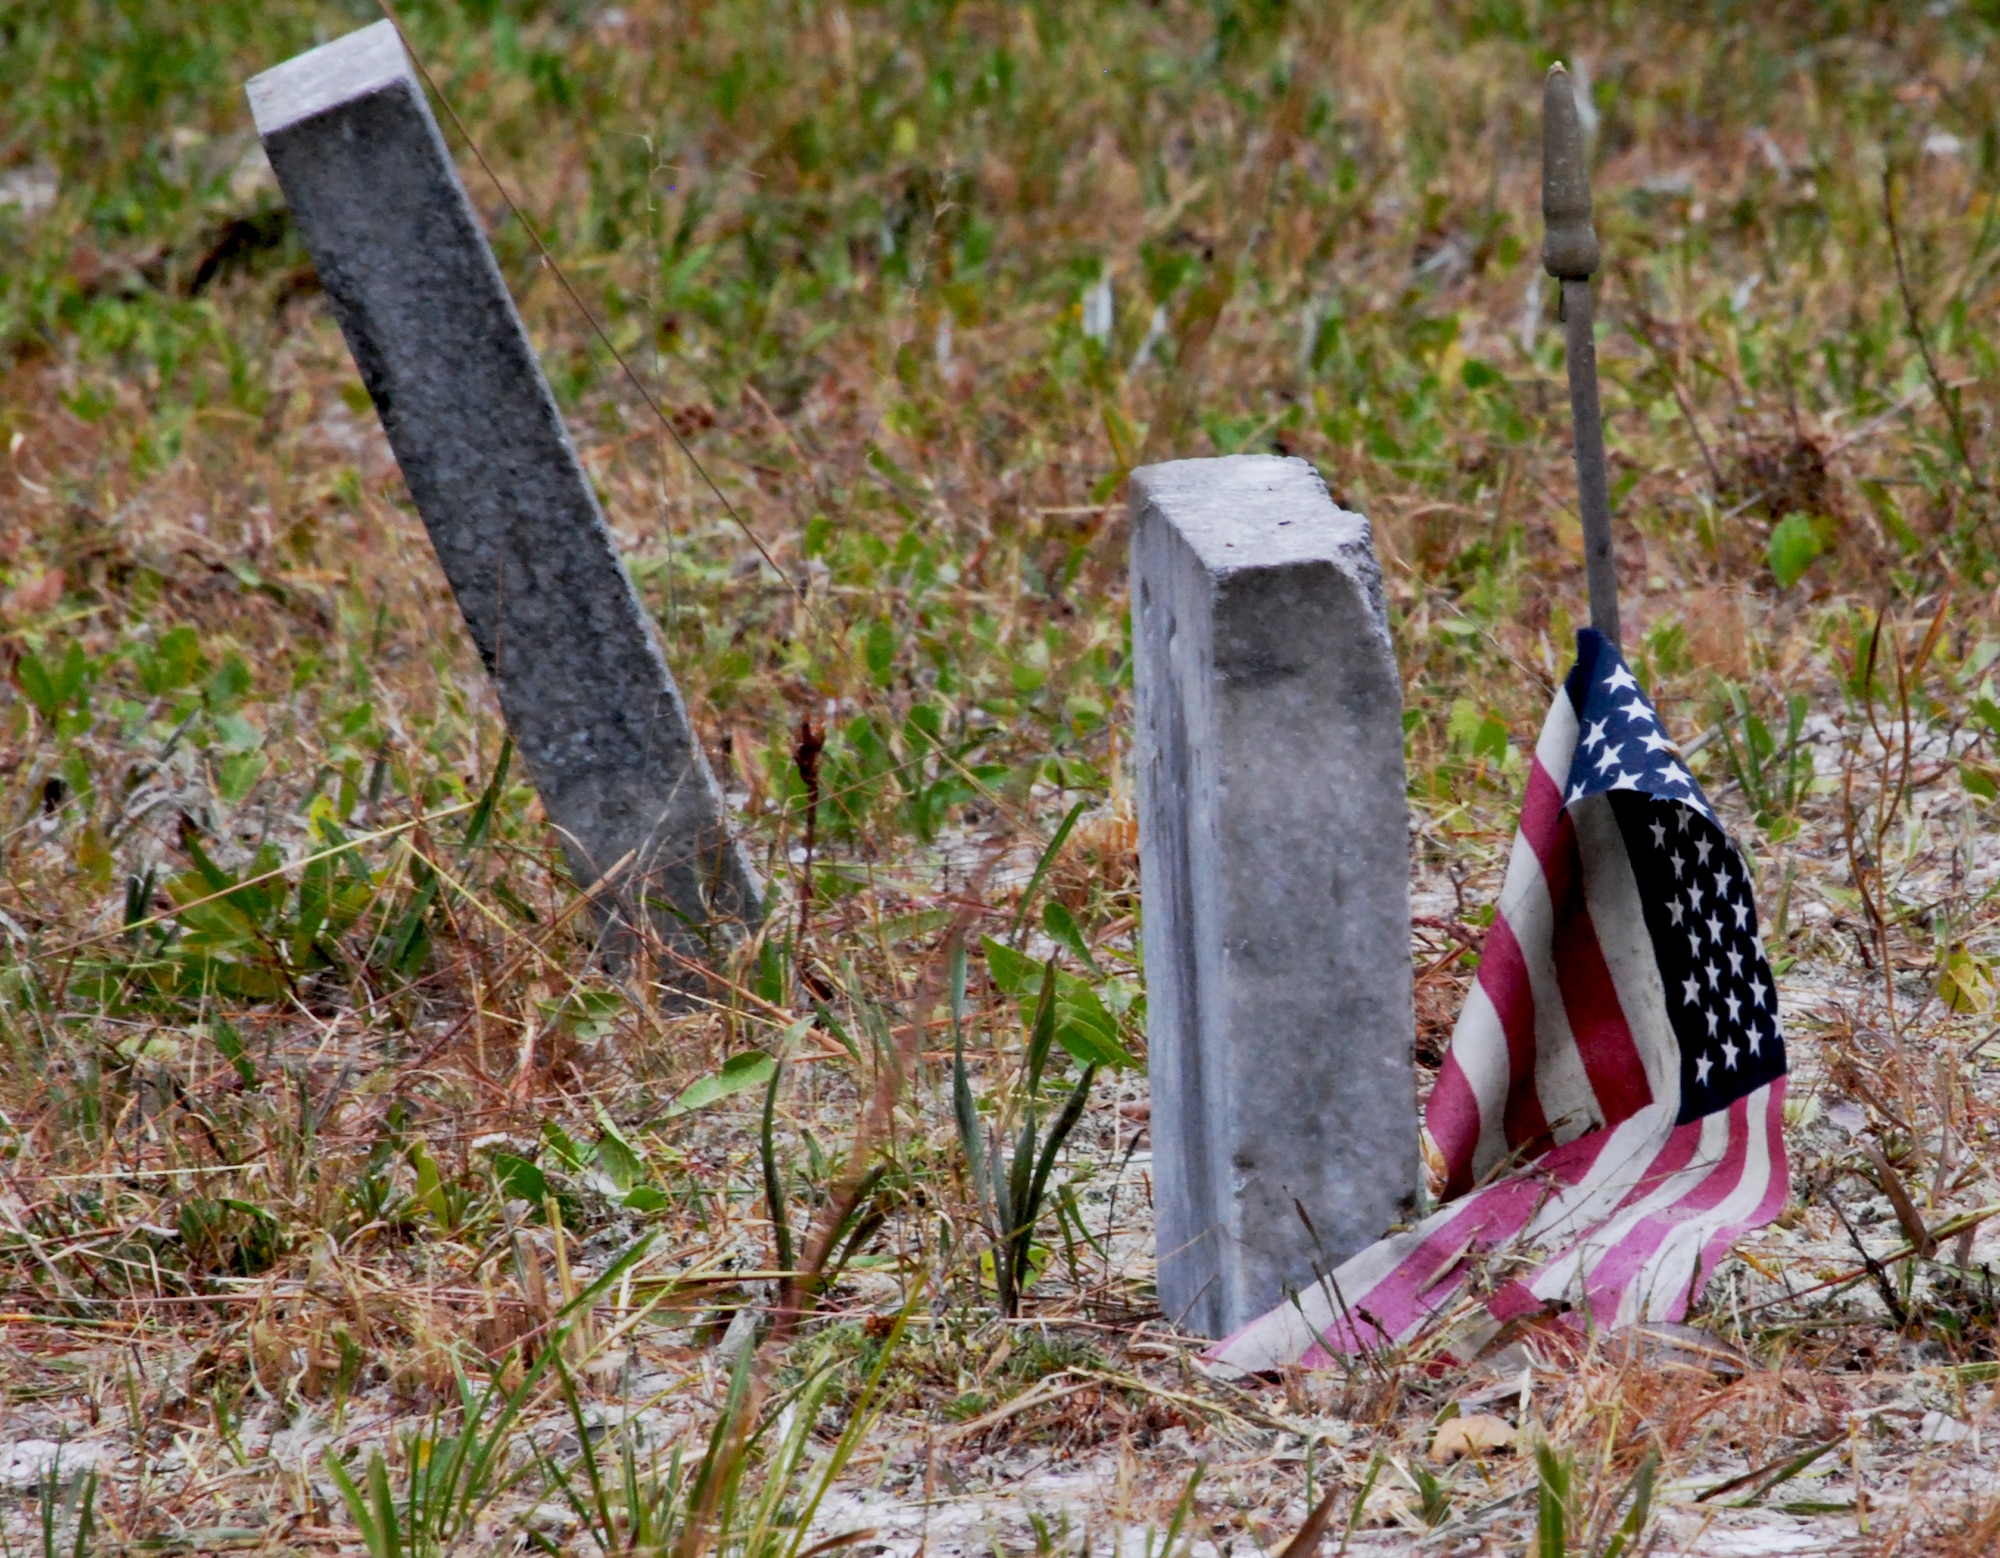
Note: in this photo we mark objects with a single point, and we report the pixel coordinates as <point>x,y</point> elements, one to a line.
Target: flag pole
<point>1569,253</point>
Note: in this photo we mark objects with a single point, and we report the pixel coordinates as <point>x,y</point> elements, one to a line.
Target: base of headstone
<point>1274,867</point>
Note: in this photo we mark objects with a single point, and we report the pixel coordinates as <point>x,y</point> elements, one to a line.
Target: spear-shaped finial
<point>1569,247</point>
<point>1569,253</point>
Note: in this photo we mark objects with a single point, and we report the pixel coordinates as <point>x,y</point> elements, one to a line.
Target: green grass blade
<point>481,820</point>
<point>774,1187</point>
<point>1056,842</point>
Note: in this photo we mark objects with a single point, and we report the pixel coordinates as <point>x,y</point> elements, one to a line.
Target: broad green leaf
<point>519,1179</point>
<point>737,1074</point>
<point>1965,982</point>
<point>430,1183</point>
<point>227,684</point>
<point>571,1154</point>
<point>236,776</point>
<point>621,1165</point>
<point>880,652</point>
<point>171,663</point>
<point>586,1014</point>
<point>230,1043</point>
<point>1085,1028</point>
<point>1794,545</point>
<point>1014,973</point>
<point>38,685</point>
<point>1063,929</point>
<point>237,734</point>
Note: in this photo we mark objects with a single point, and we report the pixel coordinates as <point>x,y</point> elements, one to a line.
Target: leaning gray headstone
<point>582,682</point>
<point>1274,876</point>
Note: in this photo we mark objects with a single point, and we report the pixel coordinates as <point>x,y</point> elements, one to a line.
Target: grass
<point>317,1109</point>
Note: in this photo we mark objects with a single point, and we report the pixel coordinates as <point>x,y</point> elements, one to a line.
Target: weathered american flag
<point>1609,1114</point>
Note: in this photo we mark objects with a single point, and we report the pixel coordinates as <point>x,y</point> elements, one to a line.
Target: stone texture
<point>594,711</point>
<point>1274,870</point>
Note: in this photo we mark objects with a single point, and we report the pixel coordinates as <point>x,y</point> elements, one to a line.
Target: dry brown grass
<point>213,1273</point>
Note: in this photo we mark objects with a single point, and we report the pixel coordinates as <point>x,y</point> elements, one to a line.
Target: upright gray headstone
<point>585,689</point>
<point>1274,874</point>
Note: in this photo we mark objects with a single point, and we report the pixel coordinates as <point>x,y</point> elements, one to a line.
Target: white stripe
<point>1658,1286</point>
<point>1561,1276</point>
<point>1479,1045</point>
<point>1291,1330</point>
<point>1634,1144</point>
<point>1561,1083</point>
<point>1555,747</point>
<point>1612,894</point>
<point>1478,1041</point>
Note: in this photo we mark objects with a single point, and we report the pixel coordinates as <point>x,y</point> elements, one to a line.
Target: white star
<point>1694,944</point>
<point>1624,781</point>
<point>1594,734</point>
<point>1701,1069</point>
<point>1714,928</point>
<point>1729,1053</point>
<point>1656,741</point>
<point>1763,991</point>
<point>1742,913</point>
<point>1659,832</point>
<point>1701,847</point>
<point>1636,711</point>
<point>1714,974</point>
<point>1712,1019</point>
<point>1683,817</point>
<point>1619,680</point>
<point>1690,990</point>
<point>1608,758</point>
<point>1679,865</point>
<point>1735,960</point>
<point>1735,1006</point>
<point>1575,795</point>
<point>1674,908</point>
<point>1754,1037</point>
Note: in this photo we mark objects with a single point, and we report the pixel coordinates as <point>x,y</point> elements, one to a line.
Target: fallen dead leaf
<point>1479,1434</point>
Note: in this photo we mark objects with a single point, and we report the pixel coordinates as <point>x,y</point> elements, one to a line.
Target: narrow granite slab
<point>1274,872</point>
<point>585,689</point>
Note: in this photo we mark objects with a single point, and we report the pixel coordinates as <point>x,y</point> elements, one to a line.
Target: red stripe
<point>1714,1187</point>
<point>1453,1113</point>
<point>1776,1189</point>
<point>1590,999</point>
<point>1452,1117</point>
<point>1503,975</point>
<point>1541,811</point>
<point>1512,1301</point>
<point>1607,1280</point>
<point>1490,1218</point>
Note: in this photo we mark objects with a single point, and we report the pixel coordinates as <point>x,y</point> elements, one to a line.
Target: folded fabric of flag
<point>1610,1112</point>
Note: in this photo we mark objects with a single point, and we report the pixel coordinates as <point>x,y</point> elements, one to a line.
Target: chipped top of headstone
<point>353,66</point>
<point>1250,511</point>
<point>1254,511</point>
